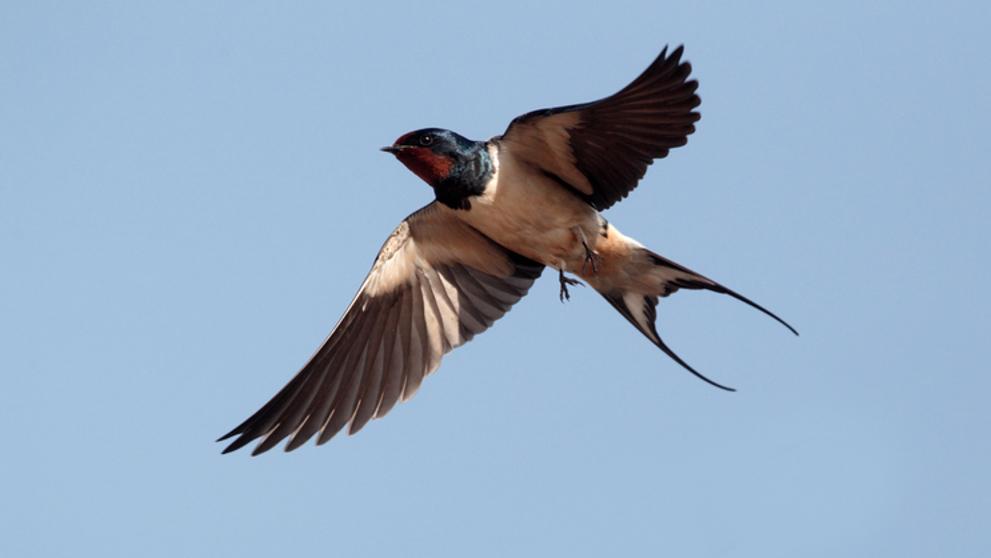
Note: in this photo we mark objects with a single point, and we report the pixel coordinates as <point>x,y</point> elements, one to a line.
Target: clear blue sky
<point>191,194</point>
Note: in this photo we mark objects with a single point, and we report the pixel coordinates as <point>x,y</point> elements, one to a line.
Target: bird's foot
<point>591,257</point>
<point>565,281</point>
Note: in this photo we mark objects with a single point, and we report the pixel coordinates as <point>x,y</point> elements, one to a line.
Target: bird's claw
<point>565,281</point>
<point>591,258</point>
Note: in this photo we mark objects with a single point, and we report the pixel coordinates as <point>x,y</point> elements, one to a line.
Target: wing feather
<point>602,149</point>
<point>435,284</point>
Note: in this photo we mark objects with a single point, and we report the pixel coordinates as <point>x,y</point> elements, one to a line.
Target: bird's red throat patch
<point>426,164</point>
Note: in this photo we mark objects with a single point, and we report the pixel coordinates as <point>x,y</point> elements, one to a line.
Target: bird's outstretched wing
<point>435,284</point>
<point>602,149</point>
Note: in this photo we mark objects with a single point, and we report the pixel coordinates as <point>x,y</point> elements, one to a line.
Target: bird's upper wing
<point>435,284</point>
<point>602,149</point>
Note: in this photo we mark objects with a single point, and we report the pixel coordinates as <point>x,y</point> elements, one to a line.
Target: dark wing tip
<point>245,432</point>
<point>238,443</point>
<point>260,449</point>
<point>245,439</point>
<point>237,429</point>
<point>296,442</point>
<point>245,435</point>
<point>235,445</point>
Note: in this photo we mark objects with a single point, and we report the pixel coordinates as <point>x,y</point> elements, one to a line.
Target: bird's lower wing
<point>435,284</point>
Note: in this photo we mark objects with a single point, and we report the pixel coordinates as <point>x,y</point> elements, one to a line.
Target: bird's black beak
<point>392,149</point>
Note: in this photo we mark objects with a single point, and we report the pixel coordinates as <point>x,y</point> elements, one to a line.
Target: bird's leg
<point>565,281</point>
<point>591,258</point>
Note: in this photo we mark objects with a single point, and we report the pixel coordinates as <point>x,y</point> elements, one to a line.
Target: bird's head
<point>433,154</point>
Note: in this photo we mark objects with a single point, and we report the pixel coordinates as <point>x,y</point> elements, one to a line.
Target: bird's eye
<point>426,140</point>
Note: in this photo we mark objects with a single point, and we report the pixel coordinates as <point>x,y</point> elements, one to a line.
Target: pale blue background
<point>190,195</point>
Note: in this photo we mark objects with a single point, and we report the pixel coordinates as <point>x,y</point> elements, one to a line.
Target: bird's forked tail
<point>641,277</point>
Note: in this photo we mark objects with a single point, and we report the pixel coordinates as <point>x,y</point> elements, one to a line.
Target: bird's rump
<point>434,285</point>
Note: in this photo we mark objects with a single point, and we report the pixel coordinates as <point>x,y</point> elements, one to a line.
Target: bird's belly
<point>535,217</point>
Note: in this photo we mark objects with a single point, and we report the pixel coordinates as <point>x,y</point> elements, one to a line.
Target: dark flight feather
<point>435,284</point>
<point>612,141</point>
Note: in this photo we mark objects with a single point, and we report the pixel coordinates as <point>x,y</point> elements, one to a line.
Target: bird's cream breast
<point>531,214</point>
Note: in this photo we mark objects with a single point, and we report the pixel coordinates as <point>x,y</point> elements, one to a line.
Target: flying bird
<point>504,210</point>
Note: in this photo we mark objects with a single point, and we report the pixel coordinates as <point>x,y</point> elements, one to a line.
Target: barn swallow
<point>504,209</point>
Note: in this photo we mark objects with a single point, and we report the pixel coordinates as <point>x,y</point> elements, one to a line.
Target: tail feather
<point>645,322</point>
<point>698,281</point>
<point>650,276</point>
